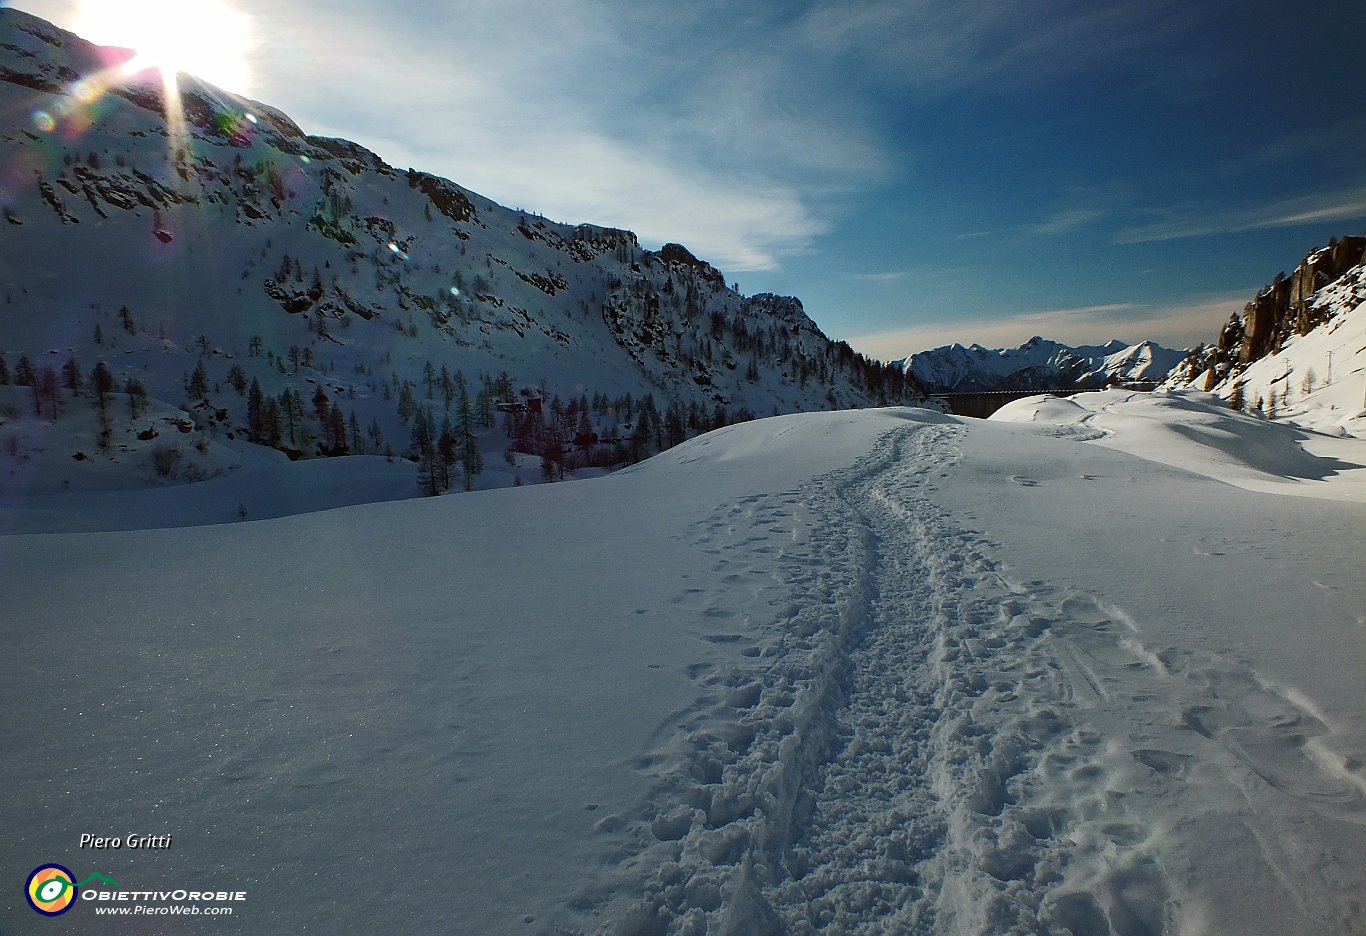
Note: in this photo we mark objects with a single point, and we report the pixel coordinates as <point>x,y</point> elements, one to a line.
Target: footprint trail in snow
<point>891,736</point>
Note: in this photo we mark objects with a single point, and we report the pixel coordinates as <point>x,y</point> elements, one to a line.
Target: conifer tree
<point>270,422</point>
<point>198,385</point>
<point>102,383</point>
<point>447,456</point>
<point>237,379</point>
<point>1235,397</point>
<point>407,406</point>
<point>291,418</point>
<point>424,448</point>
<point>336,432</point>
<point>469,442</point>
<point>255,411</point>
<point>353,426</point>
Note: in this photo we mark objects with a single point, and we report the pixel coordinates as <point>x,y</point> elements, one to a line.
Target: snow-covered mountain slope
<point>1298,350</point>
<point>1039,364</point>
<point>865,672</point>
<point>204,243</point>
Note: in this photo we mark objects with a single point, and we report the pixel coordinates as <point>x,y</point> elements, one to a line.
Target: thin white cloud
<point>1195,222</point>
<point>1059,222</point>
<point>890,276</point>
<point>1064,222</point>
<point>587,114</point>
<point>942,47</point>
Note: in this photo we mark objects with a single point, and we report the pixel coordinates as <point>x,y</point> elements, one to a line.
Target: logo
<point>51,889</point>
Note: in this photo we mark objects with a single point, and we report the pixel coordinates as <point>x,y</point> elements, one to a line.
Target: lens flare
<point>85,91</point>
<point>44,121</point>
<point>206,38</point>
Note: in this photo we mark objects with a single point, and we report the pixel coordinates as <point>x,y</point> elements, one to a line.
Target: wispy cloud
<point>1065,222</point>
<point>890,276</point>
<point>944,47</point>
<point>688,122</point>
<point>631,116</point>
<point>1059,222</point>
<point>1178,223</point>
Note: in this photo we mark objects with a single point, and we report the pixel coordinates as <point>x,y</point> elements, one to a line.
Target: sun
<point>206,38</point>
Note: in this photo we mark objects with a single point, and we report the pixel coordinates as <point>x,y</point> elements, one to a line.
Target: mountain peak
<point>1038,364</point>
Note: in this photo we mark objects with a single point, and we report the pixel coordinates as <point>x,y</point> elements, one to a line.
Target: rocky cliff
<point>1280,311</point>
<point>1298,349</point>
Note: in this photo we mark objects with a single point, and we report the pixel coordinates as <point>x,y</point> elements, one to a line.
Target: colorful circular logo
<point>51,889</point>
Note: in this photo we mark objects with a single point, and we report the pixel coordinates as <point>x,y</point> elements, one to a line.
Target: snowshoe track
<point>896,738</point>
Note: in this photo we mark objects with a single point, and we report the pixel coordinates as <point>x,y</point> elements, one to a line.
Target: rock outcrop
<point>1279,311</point>
<point>1283,309</point>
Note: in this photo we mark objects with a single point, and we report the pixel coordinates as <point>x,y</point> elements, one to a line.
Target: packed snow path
<point>915,743</point>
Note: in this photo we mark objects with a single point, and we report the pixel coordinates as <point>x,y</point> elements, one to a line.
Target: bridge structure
<point>983,404</point>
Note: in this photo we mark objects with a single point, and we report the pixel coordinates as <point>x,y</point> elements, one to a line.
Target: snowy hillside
<point>1302,359</point>
<point>1039,364</point>
<point>866,672</point>
<point>299,293</point>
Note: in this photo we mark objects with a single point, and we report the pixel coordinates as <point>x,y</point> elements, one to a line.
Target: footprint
<point>1278,740</point>
<point>1167,763</point>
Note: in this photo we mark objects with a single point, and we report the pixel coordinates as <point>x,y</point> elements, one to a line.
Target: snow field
<point>1197,432</point>
<point>992,755</point>
<point>878,672</point>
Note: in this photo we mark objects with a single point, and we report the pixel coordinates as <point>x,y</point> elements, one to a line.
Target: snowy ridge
<point>1039,364</point>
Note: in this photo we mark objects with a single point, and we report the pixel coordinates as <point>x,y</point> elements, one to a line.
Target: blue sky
<point>916,171</point>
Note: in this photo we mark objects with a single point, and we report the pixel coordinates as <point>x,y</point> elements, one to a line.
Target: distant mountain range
<point>1039,364</point>
<point>298,292</point>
